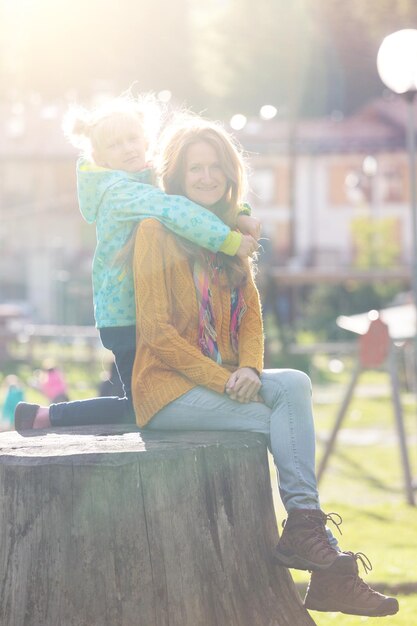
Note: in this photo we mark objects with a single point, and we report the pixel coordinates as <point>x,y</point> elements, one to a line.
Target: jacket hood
<point>93,181</point>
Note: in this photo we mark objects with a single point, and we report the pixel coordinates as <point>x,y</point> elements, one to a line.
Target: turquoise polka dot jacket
<point>115,201</point>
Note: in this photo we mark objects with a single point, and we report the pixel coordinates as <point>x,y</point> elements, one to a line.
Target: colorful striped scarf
<point>207,335</point>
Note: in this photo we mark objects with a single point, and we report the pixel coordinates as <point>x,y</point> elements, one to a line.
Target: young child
<point>115,192</point>
<point>14,394</point>
<point>52,382</point>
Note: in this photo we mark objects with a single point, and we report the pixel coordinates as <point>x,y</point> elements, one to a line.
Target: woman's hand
<point>244,385</point>
<point>247,247</point>
<point>249,225</point>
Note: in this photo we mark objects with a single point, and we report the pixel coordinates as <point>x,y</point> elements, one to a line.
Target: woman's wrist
<point>249,367</point>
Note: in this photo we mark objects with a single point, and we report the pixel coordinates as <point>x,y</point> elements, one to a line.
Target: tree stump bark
<point>110,526</point>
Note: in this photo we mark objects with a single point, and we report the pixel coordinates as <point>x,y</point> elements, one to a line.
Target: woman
<point>200,357</point>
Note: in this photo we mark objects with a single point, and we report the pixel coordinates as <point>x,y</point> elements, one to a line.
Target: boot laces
<point>363,559</point>
<point>318,533</point>
<point>359,586</point>
<point>314,535</point>
<point>335,519</point>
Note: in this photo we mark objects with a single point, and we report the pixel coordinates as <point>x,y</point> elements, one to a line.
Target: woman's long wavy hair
<point>171,168</point>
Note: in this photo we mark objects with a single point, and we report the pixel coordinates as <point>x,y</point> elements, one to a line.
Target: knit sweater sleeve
<point>251,338</point>
<point>136,201</point>
<point>153,275</point>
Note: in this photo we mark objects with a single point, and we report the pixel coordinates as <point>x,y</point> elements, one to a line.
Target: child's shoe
<point>24,415</point>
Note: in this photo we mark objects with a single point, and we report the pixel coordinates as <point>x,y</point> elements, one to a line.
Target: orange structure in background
<point>376,349</point>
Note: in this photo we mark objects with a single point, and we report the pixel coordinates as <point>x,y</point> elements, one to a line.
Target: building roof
<point>379,126</point>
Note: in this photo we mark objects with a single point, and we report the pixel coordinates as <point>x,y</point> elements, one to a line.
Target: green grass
<point>83,379</point>
<point>363,482</point>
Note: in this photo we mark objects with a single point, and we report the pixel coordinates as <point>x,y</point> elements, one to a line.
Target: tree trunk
<point>109,526</point>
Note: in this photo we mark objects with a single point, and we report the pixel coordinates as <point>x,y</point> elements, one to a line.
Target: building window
<point>364,180</point>
<point>263,187</point>
<point>393,180</point>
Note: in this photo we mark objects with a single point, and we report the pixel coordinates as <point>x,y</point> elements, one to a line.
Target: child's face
<point>123,149</point>
<point>205,181</point>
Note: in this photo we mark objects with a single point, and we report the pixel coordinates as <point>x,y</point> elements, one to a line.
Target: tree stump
<point>112,526</point>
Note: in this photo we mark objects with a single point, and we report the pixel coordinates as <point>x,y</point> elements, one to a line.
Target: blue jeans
<point>109,410</point>
<point>121,340</point>
<point>286,418</point>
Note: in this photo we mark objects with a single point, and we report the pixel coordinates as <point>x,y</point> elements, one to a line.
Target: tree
<point>248,57</point>
<point>52,47</point>
<point>314,56</point>
<point>374,242</point>
<point>352,33</point>
<point>309,56</point>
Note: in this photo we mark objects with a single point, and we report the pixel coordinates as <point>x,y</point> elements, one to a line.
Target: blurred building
<point>310,184</point>
<point>45,245</point>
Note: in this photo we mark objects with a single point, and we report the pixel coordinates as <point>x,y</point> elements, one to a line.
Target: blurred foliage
<point>375,248</point>
<point>374,242</point>
<point>83,379</point>
<point>306,56</point>
<point>56,48</point>
<point>325,303</point>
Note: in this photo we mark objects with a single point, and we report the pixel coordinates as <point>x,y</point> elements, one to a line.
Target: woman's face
<point>204,180</point>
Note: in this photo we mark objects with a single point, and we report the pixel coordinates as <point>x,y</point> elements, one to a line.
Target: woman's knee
<point>294,381</point>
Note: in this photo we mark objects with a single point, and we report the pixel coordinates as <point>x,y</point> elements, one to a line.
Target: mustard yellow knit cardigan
<point>168,360</point>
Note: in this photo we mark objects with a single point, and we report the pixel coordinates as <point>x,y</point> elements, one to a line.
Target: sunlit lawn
<point>83,378</point>
<point>364,484</point>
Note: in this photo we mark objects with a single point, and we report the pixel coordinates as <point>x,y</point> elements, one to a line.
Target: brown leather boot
<point>304,543</point>
<point>340,589</point>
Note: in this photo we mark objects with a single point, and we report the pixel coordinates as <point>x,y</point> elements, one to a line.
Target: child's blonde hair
<point>90,130</point>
